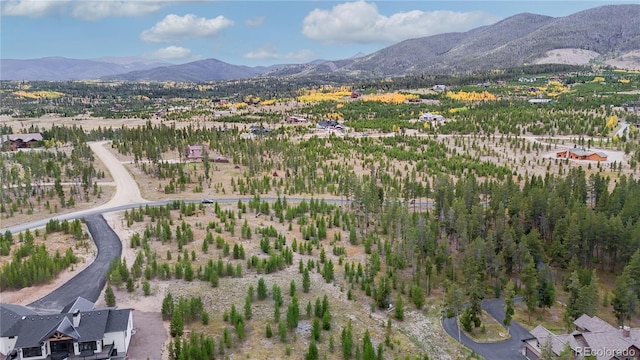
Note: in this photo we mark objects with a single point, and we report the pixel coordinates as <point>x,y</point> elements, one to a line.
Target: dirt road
<point>127,191</point>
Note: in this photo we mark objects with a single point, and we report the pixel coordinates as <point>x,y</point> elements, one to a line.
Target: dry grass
<point>490,331</point>
<point>419,333</point>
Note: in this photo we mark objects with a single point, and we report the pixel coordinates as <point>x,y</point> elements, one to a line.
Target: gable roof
<point>32,328</point>
<point>10,315</point>
<point>22,137</point>
<point>599,336</point>
<point>593,324</point>
<point>79,303</point>
<point>35,329</point>
<point>118,320</point>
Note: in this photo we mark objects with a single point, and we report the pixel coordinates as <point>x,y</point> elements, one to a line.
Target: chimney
<point>76,318</point>
<point>626,331</point>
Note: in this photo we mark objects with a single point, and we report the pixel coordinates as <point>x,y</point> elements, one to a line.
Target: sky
<point>252,33</point>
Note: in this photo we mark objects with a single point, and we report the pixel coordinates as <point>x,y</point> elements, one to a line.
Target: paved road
<point>90,281</point>
<point>507,349</point>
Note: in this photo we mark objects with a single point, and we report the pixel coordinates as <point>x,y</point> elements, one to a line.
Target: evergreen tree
<point>529,279</point>
<point>508,304</point>
<point>176,327</point>
<point>293,313</point>
<point>167,307</point>
<point>368,351</point>
<point>306,281</point>
<point>292,288</point>
<point>262,289</point>
<point>346,337</point>
<point>312,352</point>
<point>546,291</point>
<point>625,299</point>
<point>398,312</point>
<point>315,330</point>
<point>109,296</point>
<point>247,307</point>
<point>326,320</point>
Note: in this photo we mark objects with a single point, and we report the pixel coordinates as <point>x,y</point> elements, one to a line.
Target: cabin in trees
<point>437,118</point>
<point>79,331</point>
<point>593,338</point>
<point>197,152</point>
<point>540,101</point>
<point>20,141</point>
<point>581,154</point>
<point>296,119</point>
<point>329,125</point>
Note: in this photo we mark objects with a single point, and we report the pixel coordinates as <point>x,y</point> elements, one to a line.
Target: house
<point>592,338</point>
<point>259,130</point>
<point>296,119</point>
<point>79,331</point>
<point>329,125</point>
<point>581,154</point>
<point>20,141</point>
<point>540,101</point>
<point>197,152</point>
<point>431,117</point>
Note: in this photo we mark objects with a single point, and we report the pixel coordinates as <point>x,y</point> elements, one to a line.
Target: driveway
<point>507,349</point>
<point>90,281</point>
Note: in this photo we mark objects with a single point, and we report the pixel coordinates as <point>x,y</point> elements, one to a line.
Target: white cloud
<point>255,21</point>
<point>81,9</point>
<point>360,22</point>
<point>176,28</point>
<point>172,53</point>
<point>93,10</point>
<point>269,52</point>
<point>33,8</point>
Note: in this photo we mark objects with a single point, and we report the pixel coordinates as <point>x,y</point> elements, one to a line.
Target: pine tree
<point>109,296</point>
<point>176,327</point>
<point>262,289</point>
<point>398,312</point>
<point>326,320</point>
<point>306,281</point>
<point>546,290</point>
<point>315,330</point>
<point>167,307</point>
<point>508,304</point>
<point>528,277</point>
<point>368,351</point>
<point>312,352</point>
<point>247,307</point>
<point>346,337</point>
<point>292,288</point>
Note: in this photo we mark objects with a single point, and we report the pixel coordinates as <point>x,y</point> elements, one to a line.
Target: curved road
<point>90,281</point>
<point>507,349</point>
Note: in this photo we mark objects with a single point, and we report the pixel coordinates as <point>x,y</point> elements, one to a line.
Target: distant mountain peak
<point>524,38</point>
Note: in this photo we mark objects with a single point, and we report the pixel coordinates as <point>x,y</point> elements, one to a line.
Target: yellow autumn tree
<point>471,96</point>
<point>612,121</point>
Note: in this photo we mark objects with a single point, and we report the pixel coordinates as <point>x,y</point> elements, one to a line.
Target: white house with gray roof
<point>593,338</point>
<point>79,331</point>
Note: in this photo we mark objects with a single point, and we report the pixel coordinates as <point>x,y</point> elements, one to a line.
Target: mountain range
<point>607,34</point>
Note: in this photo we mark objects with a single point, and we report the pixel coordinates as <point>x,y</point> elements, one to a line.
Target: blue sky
<point>242,32</point>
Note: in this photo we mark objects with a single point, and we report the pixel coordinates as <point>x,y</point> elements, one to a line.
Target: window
<point>32,351</point>
<point>89,345</point>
